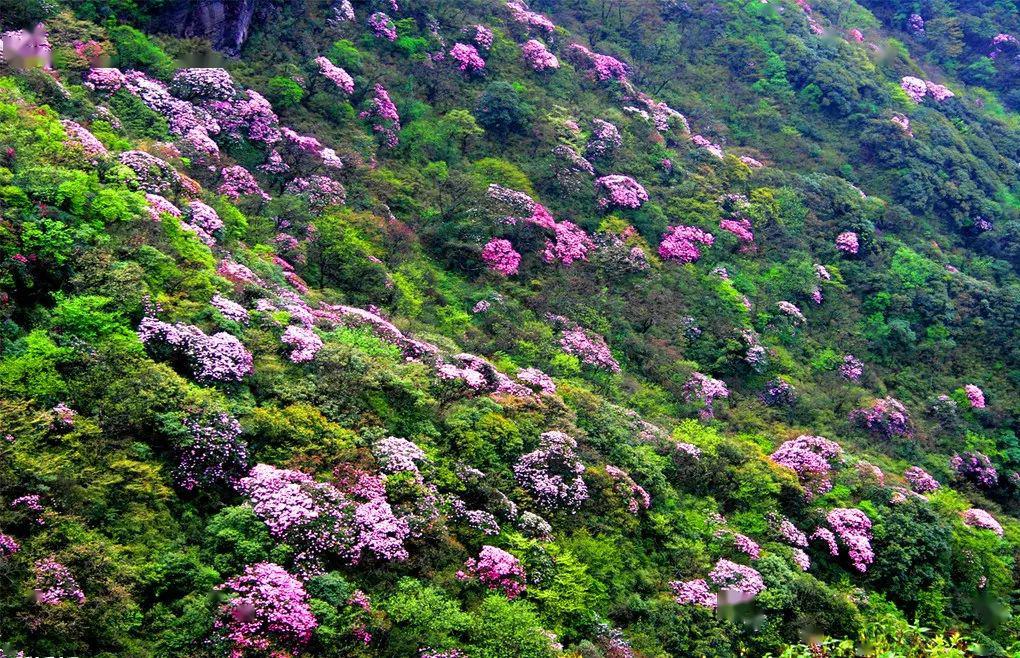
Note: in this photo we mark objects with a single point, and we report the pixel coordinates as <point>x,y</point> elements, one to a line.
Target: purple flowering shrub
<point>886,418</point>
<point>552,474</point>
<point>497,570</point>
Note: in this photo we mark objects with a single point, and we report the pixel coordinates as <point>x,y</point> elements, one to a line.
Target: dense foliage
<point>493,330</point>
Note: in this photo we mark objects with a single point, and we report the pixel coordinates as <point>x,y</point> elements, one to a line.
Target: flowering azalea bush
<point>498,570</point>
<point>886,418</point>
<point>848,243</point>
<point>212,451</point>
<point>621,191</point>
<point>220,357</point>
<point>920,480</point>
<point>384,116</point>
<point>978,518</point>
<point>975,396</point>
<point>589,347</point>
<point>975,467</point>
<point>54,584</point>
<point>467,58</point>
<point>500,257</point>
<point>552,474</point>
<point>705,390</point>
<point>810,457</point>
<point>339,77</point>
<point>538,57</point>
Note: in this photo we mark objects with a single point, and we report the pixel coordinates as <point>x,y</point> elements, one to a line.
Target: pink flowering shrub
<point>917,89</point>
<point>975,396</point>
<point>589,347</point>
<point>32,505</point>
<point>680,243</point>
<point>920,480</point>
<point>621,191</point>
<point>236,181</point>
<point>384,116</point>
<point>605,138</point>
<point>151,174</point>
<point>778,393</point>
<point>738,582</point>
<point>303,343</point>
<point>320,191</point>
<point>694,592</point>
<point>520,13</point>
<point>703,142</point>
<point>790,310</point>
<point>467,58</point>
<point>8,546</point>
<point>339,77</point>
<point>397,455</point>
<point>268,613</point>
<point>705,390</point>
<point>810,457</point>
<point>786,530</point>
<point>230,309</point>
<point>54,584</point>
<point>852,368</point>
<point>217,358</point>
<point>104,80</point>
<point>481,35</point>
<point>886,418</point>
<point>212,451</point>
<point>975,467</point>
<point>79,136</point>
<point>601,67</point>
<point>978,518</point>
<point>537,380</point>
<point>498,570</point>
<point>63,416</point>
<point>382,26</point>
<point>740,227</point>
<point>250,117</point>
<point>637,498</point>
<point>552,473</point>
<point>747,546</point>
<point>500,257</point>
<point>203,83</point>
<point>853,528</point>
<point>203,221</point>
<point>847,242</point>
<point>538,57</point>
<point>569,244</point>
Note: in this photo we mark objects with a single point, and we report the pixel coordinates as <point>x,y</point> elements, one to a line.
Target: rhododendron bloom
<point>681,242</point>
<point>105,80</point>
<point>790,309</point>
<point>552,474</point>
<point>920,480</point>
<point>886,418</point>
<point>151,174</point>
<point>571,243</point>
<point>203,83</point>
<point>498,570</point>
<point>708,145</point>
<point>975,395</point>
<point>537,379</point>
<point>304,343</point>
<point>80,136</point>
<point>382,26</point>
<point>538,57</point>
<point>978,518</point>
<point>976,467</point>
<point>853,527</point>
<point>810,458</point>
<point>268,612</point>
<point>220,357</point>
<point>54,584</point>
<point>481,35</point>
<point>852,368</point>
<point>8,546</point>
<point>467,58</point>
<point>230,309</point>
<point>237,181</point>
<point>385,119</point>
<point>740,227</point>
<point>737,579</point>
<point>601,67</point>
<point>694,592</point>
<point>706,390</point>
<point>499,256</point>
<point>339,77</point>
<point>213,452</point>
<point>321,191</point>
<point>203,221</point>
<point>637,497</point>
<point>605,138</point>
<point>589,347</point>
<point>847,242</point>
<point>521,14</point>
<point>619,190</point>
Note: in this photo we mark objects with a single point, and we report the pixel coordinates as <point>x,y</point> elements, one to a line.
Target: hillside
<point>479,329</point>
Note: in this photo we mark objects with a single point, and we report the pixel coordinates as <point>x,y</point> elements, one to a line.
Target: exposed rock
<point>225,23</point>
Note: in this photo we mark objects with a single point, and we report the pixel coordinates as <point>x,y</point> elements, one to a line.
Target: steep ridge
<point>494,330</point>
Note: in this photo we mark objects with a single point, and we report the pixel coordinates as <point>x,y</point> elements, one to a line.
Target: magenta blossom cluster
<point>497,570</point>
<point>382,26</point>
<point>853,528</point>
<point>230,309</point>
<point>705,143</point>
<point>213,451</point>
<point>637,498</point>
<point>522,15</point>
<point>786,530</point>
<point>589,347</point>
<point>268,613</point>
<point>54,584</point>
<point>852,368</point>
<point>63,416</point>
<point>975,396</point>
<point>810,457</point>
<point>694,592</point>
<point>159,206</point>
<point>384,116</point>
<point>886,418</point>
<point>978,518</point>
<point>920,480</point>
<point>32,504</point>
<point>8,546</point>
<point>236,181</point>
<point>663,117</point>
<point>303,342</point>
<point>705,390</point>
<point>605,138</point>
<point>397,455</point>
<point>790,310</point>
<point>538,57</point>
<point>537,380</point>
<point>481,35</point>
<point>975,467</point>
<point>467,58</point>
<point>570,243</point>
<point>501,257</point>
<point>203,221</point>
<point>339,77</point>
<point>203,84</point>
<point>601,67</point>
<point>747,546</point>
<point>217,358</point>
<point>620,191</point>
<point>680,243</point>
<point>250,116</point>
<point>151,173</point>
<point>848,243</point>
<point>917,89</point>
<point>321,191</point>
<point>740,227</point>
<point>552,473</point>
<point>738,583</point>
<point>79,136</point>
<point>777,393</point>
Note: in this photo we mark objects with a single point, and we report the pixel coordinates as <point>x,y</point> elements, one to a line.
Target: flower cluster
<point>104,80</point>
<point>848,243</point>
<point>680,243</point>
<point>747,546</point>
<point>321,191</point>
<point>975,467</point>
<point>268,612</point>
<point>498,570</point>
<point>552,474</point>
<point>500,257</point>
<point>589,347</point>
<point>230,309</point>
<point>853,527</point>
<point>569,243</point>
<point>237,181</point>
<point>8,546</point>
<point>740,227</point>
<point>383,26</point>
<point>786,530</point>
<point>54,584</point>
<point>538,57</point>
<point>481,35</point>
<point>915,25</point>
<point>522,15</point>
<point>810,458</point>
<point>738,582</point>
<point>852,368</point>
<point>467,58</point>
<point>664,118</point>
<point>398,455</point>
<point>601,67</point>
<point>385,119</point>
<point>218,358</point>
<point>703,142</point>
<point>706,390</point>
<point>151,174</point>
<point>790,310</point>
<point>212,452</point>
<point>778,393</point>
<point>303,341</point>
<point>32,504</point>
<point>978,518</point>
<point>80,136</point>
<point>63,416</point>
<point>621,191</point>
<point>886,418</point>
<point>203,84</point>
<point>537,379</point>
<point>339,77</point>
<point>605,138</point>
<point>917,89</point>
<point>975,395</point>
<point>920,480</point>
<point>250,117</point>
<point>637,498</point>
<point>203,221</point>
<point>694,592</point>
